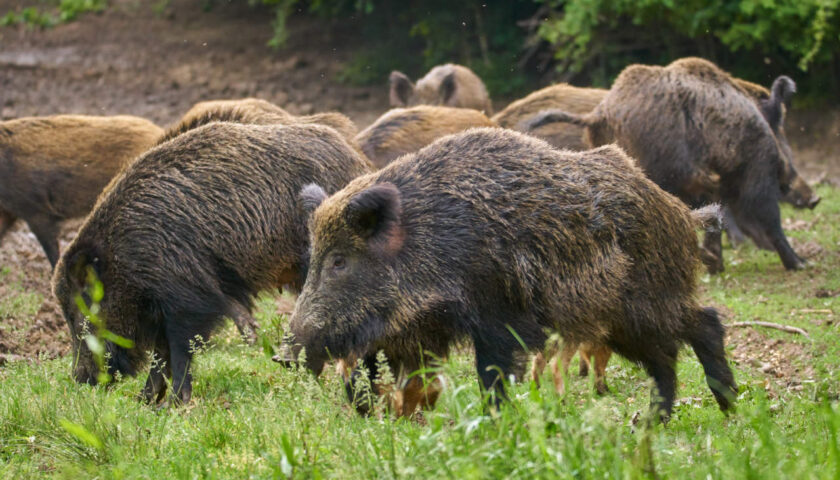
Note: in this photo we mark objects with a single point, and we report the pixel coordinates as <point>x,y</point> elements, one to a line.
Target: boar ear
<point>375,215</point>
<point>783,88</point>
<point>447,88</point>
<point>401,89</point>
<point>311,196</point>
<point>78,264</point>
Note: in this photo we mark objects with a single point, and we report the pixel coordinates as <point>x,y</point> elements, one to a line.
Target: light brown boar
<point>53,168</point>
<point>450,84</point>
<point>561,96</point>
<point>405,130</point>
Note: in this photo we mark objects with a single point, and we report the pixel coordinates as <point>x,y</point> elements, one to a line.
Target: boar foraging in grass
<point>189,233</point>
<point>703,136</point>
<point>561,96</point>
<point>405,130</point>
<point>491,231</point>
<point>53,168</point>
<point>450,84</point>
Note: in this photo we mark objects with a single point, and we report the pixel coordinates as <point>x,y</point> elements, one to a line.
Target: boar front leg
<point>180,359</point>
<point>46,231</point>
<point>7,219</point>
<point>494,362</point>
<point>155,388</point>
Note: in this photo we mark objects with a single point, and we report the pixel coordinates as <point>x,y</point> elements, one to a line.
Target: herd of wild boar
<point>573,212</point>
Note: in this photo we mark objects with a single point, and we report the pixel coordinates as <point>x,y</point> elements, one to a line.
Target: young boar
<point>699,135</point>
<point>561,96</point>
<point>404,130</point>
<point>497,237</point>
<point>451,85</point>
<point>189,233</point>
<point>53,168</point>
<point>259,112</point>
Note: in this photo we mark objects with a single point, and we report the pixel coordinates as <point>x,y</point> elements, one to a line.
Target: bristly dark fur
<point>705,136</point>
<point>191,231</point>
<point>496,231</point>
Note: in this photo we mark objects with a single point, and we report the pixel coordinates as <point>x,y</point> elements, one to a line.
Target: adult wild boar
<point>189,233</point>
<point>490,232</point>
<point>259,112</point>
<point>561,96</point>
<point>698,134</point>
<point>53,168</point>
<point>404,130</point>
<point>450,84</point>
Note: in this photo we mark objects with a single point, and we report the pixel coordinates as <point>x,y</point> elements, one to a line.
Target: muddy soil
<point>134,60</point>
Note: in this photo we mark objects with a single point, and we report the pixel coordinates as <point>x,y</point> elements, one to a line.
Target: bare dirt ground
<point>133,60</point>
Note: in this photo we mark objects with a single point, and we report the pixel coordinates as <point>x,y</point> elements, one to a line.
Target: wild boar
<point>450,84</point>
<point>53,168</point>
<point>699,135</point>
<point>561,96</point>
<point>189,233</point>
<point>405,130</point>
<point>497,237</point>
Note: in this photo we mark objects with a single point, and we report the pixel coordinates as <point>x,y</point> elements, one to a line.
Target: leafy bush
<point>63,11</point>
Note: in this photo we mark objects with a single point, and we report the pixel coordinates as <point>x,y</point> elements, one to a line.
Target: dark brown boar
<point>450,84</point>
<point>53,168</point>
<point>699,135</point>
<point>189,233</point>
<point>491,232</point>
<point>405,130</point>
<point>259,112</point>
<point>561,96</point>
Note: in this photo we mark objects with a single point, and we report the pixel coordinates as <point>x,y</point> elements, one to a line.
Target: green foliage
<point>63,11</point>
<point>755,38</point>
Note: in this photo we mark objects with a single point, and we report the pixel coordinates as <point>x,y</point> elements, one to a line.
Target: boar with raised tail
<point>561,96</point>
<point>704,136</point>
<point>53,168</point>
<point>491,232</point>
<point>189,233</point>
<point>450,85</point>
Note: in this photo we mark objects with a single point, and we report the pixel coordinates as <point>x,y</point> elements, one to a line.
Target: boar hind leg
<point>7,219</point>
<point>712,252</point>
<point>560,371</point>
<point>155,388</point>
<point>601,354</point>
<point>46,231</point>
<point>245,323</point>
<point>706,340</point>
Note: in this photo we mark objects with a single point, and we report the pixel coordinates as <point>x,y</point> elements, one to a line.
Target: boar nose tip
<point>813,202</point>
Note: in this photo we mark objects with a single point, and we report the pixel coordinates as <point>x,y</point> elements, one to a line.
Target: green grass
<point>251,418</point>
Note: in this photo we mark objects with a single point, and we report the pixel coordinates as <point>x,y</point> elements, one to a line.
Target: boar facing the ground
<point>451,85</point>
<point>53,168</point>
<point>405,130</point>
<point>699,134</point>
<point>561,96</point>
<point>189,233</point>
<point>499,238</point>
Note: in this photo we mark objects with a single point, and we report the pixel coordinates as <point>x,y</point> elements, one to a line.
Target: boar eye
<point>339,263</point>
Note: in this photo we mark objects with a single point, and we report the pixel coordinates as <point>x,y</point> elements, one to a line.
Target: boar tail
<point>781,91</point>
<point>709,218</point>
<point>555,116</point>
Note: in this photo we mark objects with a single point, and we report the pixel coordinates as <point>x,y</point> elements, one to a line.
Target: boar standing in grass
<point>53,168</point>
<point>259,112</point>
<point>699,134</point>
<point>561,96</point>
<point>490,232</point>
<point>189,233</point>
<point>405,130</point>
<point>451,85</point>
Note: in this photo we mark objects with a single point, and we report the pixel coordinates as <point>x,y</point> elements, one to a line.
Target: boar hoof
<point>713,263</point>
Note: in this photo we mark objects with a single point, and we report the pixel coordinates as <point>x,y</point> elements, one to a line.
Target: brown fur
<point>450,84</point>
<point>405,130</point>
<point>489,232</point>
<point>703,136</point>
<point>561,96</point>
<point>53,168</point>
<point>259,112</point>
<point>190,232</point>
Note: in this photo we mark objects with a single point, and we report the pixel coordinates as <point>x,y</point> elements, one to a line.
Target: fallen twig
<point>814,310</point>
<point>784,328</point>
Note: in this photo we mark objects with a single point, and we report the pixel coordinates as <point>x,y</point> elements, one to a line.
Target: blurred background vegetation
<point>516,45</point>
